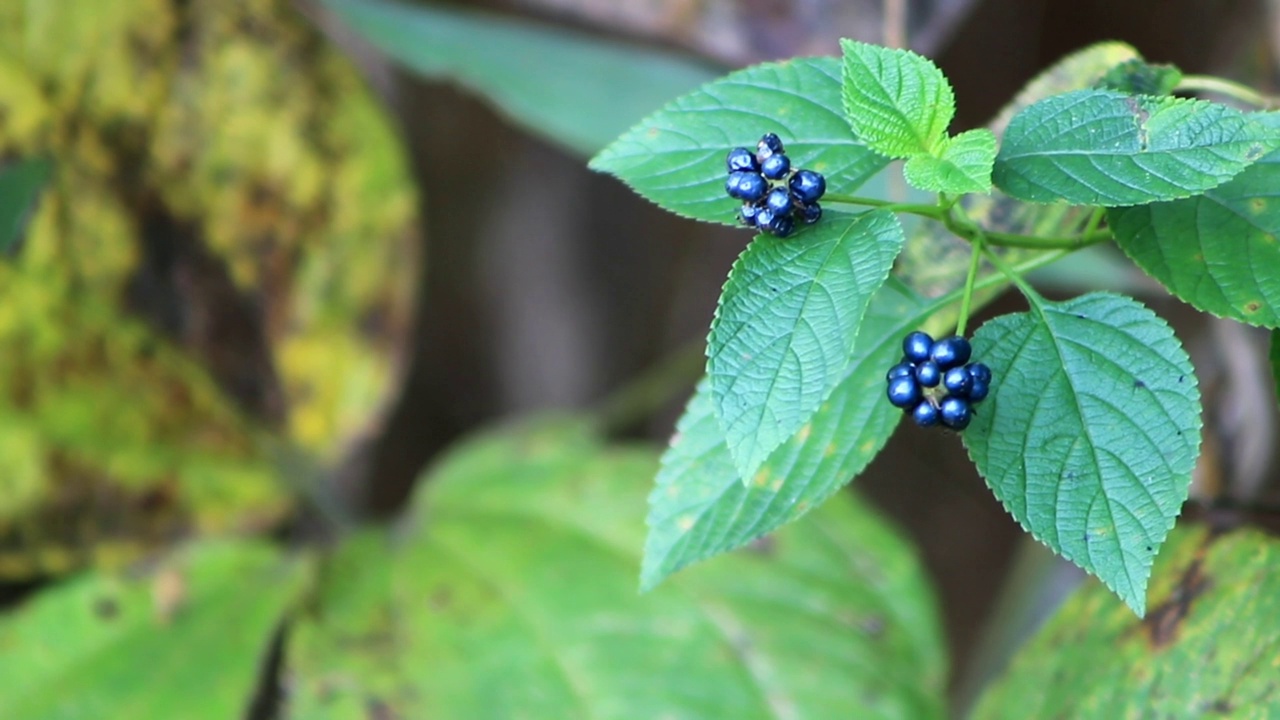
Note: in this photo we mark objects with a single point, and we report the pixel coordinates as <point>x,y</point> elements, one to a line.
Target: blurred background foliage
<point>265,260</point>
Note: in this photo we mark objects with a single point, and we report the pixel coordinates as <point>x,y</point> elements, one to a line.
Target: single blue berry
<point>779,201</point>
<point>916,346</point>
<point>749,186</point>
<point>808,185</point>
<point>955,413</point>
<point>741,159</point>
<point>957,381</point>
<point>904,392</point>
<point>776,167</point>
<point>928,374</point>
<point>782,225</point>
<point>764,219</point>
<point>978,371</point>
<point>978,390</point>
<point>950,352</point>
<point>811,213</point>
<point>925,414</point>
<point>770,144</point>
<point>902,369</point>
<point>747,216</point>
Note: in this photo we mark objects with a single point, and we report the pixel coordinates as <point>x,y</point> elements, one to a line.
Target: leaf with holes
<point>1218,251</point>
<point>1207,649</point>
<point>546,78</point>
<point>512,594</point>
<point>962,166</point>
<point>1090,432</point>
<point>676,157</point>
<point>1099,147</point>
<point>786,325</point>
<point>898,102</point>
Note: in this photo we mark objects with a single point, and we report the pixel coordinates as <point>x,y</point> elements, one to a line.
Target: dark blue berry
<point>957,381</point>
<point>764,219</point>
<point>808,185</point>
<point>775,167</point>
<point>770,144</point>
<point>951,352</point>
<point>741,159</point>
<point>978,390</point>
<point>782,225</point>
<point>955,413</point>
<point>916,346</point>
<point>779,201</point>
<point>746,186</point>
<point>811,213</point>
<point>747,216</point>
<point>981,372</point>
<point>925,414</point>
<point>902,369</point>
<point>904,392</point>
<point>928,374</point>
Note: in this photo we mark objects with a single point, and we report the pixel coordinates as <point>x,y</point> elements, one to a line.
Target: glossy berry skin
<point>808,186</point>
<point>916,346</point>
<point>902,369</point>
<point>764,219</point>
<point>978,390</point>
<point>747,216</point>
<point>741,159</point>
<point>928,374</point>
<point>770,144</point>
<point>951,352</point>
<point>782,225</point>
<point>980,373</point>
<point>775,167</point>
<point>957,381</point>
<point>779,201</point>
<point>811,213</point>
<point>925,414</point>
<point>955,413</point>
<point>748,186</point>
<point>904,392</point>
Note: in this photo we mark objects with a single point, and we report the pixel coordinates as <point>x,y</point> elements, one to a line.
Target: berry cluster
<point>933,382</point>
<point>773,195</point>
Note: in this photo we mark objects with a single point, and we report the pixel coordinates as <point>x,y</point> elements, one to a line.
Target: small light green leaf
<point>1217,251</point>
<point>20,184</point>
<point>675,157</point>
<point>898,102</point>
<point>148,646</point>
<point>1139,77</point>
<point>1098,147</point>
<point>549,79</point>
<point>513,595</point>
<point>1207,648</point>
<point>1090,433</point>
<point>963,165</point>
<point>786,324</point>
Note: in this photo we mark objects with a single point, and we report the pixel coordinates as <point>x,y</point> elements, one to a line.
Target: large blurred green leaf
<point>577,90</point>
<point>20,183</point>
<point>513,596</point>
<point>1208,647</point>
<point>185,640</point>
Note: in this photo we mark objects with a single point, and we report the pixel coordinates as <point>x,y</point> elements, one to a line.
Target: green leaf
<point>1139,77</point>
<point>898,102</point>
<point>675,157</point>
<point>147,646</point>
<point>1098,147</point>
<point>1275,359</point>
<point>1217,251</point>
<point>963,165</point>
<point>786,325</point>
<point>1091,431</point>
<point>1207,649</point>
<point>20,184</point>
<point>513,595</point>
<point>550,80</point>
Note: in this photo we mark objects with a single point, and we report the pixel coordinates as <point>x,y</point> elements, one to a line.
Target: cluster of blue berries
<point>773,195</point>
<point>935,381</point>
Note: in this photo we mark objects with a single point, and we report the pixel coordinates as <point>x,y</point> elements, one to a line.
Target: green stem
<point>974,262</point>
<point>929,211</point>
<point>656,385</point>
<point>1226,88</point>
<point>1036,242</point>
<point>1094,221</point>
<point>1015,276</point>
